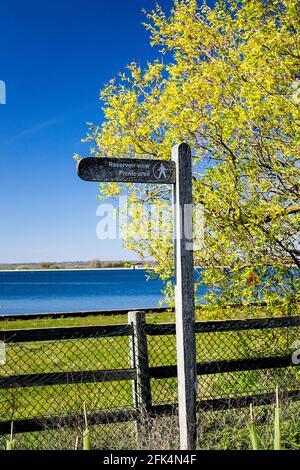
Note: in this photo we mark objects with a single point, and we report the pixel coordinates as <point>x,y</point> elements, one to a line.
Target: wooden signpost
<point>179,173</point>
<point>184,297</point>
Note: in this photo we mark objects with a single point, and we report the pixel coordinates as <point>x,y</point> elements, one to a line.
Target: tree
<point>96,263</point>
<point>228,86</point>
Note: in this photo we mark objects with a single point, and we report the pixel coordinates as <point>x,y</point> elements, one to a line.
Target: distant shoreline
<point>70,269</point>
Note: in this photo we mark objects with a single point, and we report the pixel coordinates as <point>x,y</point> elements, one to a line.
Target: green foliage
<point>10,443</point>
<point>86,437</point>
<point>86,440</point>
<point>228,87</point>
<point>277,430</point>
<point>253,432</point>
<point>257,442</point>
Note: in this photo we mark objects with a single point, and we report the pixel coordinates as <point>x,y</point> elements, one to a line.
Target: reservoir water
<point>77,290</point>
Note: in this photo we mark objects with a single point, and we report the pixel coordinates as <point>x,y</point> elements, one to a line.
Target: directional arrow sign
<point>127,170</point>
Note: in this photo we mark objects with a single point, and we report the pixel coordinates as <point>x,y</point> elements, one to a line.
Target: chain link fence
<point>126,377</point>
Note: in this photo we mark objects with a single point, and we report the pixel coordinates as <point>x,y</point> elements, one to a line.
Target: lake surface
<point>78,290</point>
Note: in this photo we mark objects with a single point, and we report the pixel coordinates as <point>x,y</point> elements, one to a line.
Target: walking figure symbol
<point>162,171</point>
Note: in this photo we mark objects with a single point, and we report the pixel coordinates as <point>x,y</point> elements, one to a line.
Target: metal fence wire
<point>126,376</point>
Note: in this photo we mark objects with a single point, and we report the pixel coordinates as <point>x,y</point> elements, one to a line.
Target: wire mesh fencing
<point>242,363</point>
<point>240,358</point>
<point>126,375</point>
<point>44,385</point>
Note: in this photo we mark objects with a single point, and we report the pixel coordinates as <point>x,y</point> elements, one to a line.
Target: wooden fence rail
<point>161,372</point>
<point>155,329</point>
<point>79,314</point>
<point>66,333</point>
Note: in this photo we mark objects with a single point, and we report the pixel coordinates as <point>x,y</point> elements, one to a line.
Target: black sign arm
<point>127,170</point>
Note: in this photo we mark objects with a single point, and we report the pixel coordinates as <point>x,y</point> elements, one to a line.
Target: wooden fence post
<point>139,360</point>
<point>184,297</point>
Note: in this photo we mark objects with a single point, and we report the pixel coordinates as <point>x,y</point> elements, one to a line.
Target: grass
<point>202,314</point>
<point>58,322</point>
<point>228,430</point>
<point>224,430</point>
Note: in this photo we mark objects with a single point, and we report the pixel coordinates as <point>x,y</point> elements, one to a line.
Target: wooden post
<point>139,360</point>
<point>184,297</point>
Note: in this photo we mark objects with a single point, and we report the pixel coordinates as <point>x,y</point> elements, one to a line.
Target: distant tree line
<point>94,264</point>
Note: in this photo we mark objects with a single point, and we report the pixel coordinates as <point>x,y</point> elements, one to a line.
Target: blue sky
<point>55,57</point>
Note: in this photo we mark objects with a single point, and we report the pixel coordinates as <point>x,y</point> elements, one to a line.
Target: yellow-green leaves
<point>226,88</point>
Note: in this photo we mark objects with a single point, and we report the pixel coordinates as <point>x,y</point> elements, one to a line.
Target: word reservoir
<point>127,170</point>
